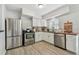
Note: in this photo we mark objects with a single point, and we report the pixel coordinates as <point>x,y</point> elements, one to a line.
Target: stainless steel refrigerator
<point>13,33</point>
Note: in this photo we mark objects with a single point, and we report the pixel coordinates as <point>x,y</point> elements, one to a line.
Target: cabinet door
<point>71,43</point>
<point>48,37</point>
<point>34,22</point>
<point>38,36</point>
<point>45,36</point>
<point>51,38</point>
<point>45,23</point>
<point>39,22</point>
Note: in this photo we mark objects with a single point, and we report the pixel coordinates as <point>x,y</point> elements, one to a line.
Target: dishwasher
<point>60,40</point>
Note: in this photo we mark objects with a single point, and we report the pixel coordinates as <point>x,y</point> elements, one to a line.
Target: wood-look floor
<point>40,48</point>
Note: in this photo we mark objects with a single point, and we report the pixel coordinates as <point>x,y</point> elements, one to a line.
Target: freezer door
<point>13,42</point>
<point>17,41</point>
<point>9,43</point>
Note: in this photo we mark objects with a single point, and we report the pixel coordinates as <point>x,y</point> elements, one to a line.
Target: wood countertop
<point>66,33</point>
<point>73,33</point>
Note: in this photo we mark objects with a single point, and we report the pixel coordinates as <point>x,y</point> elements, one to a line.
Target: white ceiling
<point>47,8</point>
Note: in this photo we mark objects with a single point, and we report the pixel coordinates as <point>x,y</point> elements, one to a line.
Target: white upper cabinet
<point>39,22</point>
<point>35,22</point>
<point>44,23</point>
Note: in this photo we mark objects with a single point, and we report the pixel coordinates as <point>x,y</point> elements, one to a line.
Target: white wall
<point>73,16</point>
<point>26,22</point>
<point>2,34</point>
<point>0,10</point>
<point>12,13</point>
<point>0,17</point>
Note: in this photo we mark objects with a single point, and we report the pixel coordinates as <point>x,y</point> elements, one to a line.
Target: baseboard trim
<point>39,41</point>
<point>71,52</point>
<point>14,48</point>
<point>48,42</point>
<point>3,52</point>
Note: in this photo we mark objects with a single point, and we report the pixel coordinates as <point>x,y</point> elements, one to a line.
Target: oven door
<point>29,35</point>
<point>29,39</point>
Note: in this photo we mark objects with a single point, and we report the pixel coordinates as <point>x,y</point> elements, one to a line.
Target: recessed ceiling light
<point>40,5</point>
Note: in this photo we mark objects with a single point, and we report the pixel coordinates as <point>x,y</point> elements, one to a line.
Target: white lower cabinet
<point>71,43</point>
<point>45,36</point>
<point>49,37</point>
<point>38,36</point>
